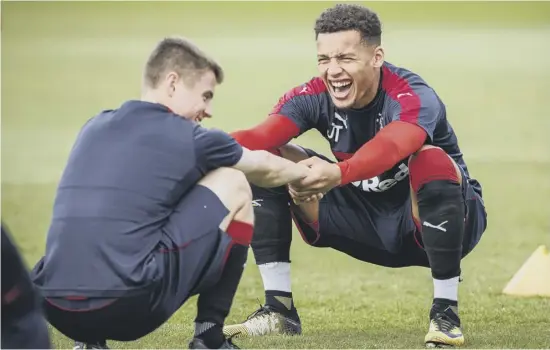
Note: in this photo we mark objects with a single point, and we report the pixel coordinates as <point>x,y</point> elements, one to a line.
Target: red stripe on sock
<point>240,232</point>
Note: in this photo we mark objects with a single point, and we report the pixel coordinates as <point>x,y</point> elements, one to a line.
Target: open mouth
<point>340,89</point>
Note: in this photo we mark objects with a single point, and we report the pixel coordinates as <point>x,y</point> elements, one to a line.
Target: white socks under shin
<point>276,276</point>
<point>446,289</point>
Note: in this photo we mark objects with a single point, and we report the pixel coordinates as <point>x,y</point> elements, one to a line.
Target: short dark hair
<point>343,17</point>
<point>182,56</point>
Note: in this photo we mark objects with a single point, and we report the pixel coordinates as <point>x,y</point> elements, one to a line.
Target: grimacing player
<point>399,194</point>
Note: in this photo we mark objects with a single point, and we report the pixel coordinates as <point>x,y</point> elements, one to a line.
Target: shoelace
<point>443,323</point>
<point>262,310</point>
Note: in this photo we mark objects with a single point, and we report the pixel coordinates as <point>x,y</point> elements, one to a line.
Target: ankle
<point>279,300</point>
<point>443,303</point>
<point>210,333</point>
<point>447,307</point>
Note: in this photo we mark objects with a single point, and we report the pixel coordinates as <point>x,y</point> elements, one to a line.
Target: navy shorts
<point>194,250</point>
<point>344,215</point>
<point>192,255</point>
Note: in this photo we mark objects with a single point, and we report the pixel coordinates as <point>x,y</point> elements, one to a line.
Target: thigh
<point>352,232</point>
<point>350,223</point>
<point>341,214</point>
<point>199,213</point>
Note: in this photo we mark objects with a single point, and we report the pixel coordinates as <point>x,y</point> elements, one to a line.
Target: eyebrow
<point>338,56</point>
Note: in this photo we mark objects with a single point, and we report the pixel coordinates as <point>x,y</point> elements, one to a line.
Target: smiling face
<point>349,67</point>
<point>191,99</point>
<point>181,77</point>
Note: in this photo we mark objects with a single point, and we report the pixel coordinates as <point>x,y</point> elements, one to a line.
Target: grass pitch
<point>63,62</point>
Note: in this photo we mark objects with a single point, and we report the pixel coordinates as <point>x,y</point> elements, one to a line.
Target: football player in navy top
<point>399,193</point>
<point>152,208</point>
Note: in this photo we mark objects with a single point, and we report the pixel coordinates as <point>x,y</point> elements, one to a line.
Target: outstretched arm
<point>413,123</point>
<point>274,132</point>
<point>296,112</point>
<point>264,169</point>
<point>216,149</point>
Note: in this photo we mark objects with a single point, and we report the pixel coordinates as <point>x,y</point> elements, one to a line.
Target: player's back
<point>126,172</point>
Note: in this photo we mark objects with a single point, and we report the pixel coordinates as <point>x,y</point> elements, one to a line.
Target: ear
<point>171,80</point>
<point>378,57</point>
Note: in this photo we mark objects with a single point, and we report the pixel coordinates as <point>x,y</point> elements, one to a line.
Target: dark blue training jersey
<point>403,96</point>
<point>127,171</point>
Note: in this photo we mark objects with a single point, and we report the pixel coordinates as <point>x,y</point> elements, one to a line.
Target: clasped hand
<point>322,177</point>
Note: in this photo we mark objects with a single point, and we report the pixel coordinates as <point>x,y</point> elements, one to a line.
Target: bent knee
<point>432,163</point>
<point>230,185</point>
<point>237,182</point>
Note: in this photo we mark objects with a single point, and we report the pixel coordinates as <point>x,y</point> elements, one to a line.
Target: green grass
<point>63,62</point>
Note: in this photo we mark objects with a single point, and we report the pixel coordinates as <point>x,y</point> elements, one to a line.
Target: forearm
<point>392,144</point>
<point>276,171</point>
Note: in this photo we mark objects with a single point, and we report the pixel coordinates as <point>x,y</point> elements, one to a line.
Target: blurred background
<point>63,62</point>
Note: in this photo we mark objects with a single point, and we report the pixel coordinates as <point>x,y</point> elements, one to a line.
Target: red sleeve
<point>395,142</point>
<point>296,112</point>
<point>274,132</point>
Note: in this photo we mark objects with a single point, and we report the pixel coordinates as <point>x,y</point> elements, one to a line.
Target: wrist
<point>342,167</point>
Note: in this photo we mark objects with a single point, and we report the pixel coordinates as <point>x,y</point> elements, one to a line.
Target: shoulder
<point>398,80</point>
<point>312,91</point>
<point>210,136</point>
<point>406,88</point>
<point>313,87</point>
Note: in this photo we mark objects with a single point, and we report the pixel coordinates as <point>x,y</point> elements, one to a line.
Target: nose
<point>207,113</point>
<point>334,68</point>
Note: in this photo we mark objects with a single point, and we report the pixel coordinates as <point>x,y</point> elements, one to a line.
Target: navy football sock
<point>436,182</point>
<point>273,225</point>
<point>214,304</point>
<point>281,301</point>
<point>210,333</point>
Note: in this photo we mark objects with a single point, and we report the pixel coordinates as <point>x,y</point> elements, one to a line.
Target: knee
<point>235,181</point>
<point>230,186</point>
<point>240,195</point>
<point>431,163</point>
